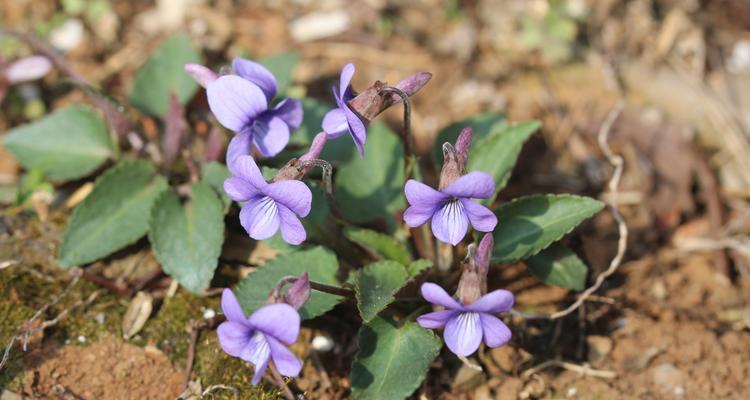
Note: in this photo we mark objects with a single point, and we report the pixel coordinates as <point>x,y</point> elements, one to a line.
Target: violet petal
<point>257,74</point>
<point>475,185</point>
<point>27,69</point>
<point>239,190</point>
<point>231,307</point>
<point>246,168</point>
<point>278,320</point>
<point>235,101</point>
<point>481,218</point>
<point>450,223</point>
<point>270,135</point>
<point>493,302</point>
<point>335,123</point>
<point>438,296</point>
<point>201,74</point>
<point>436,319</point>
<point>291,193</point>
<point>260,218</point>
<point>233,337</point>
<point>463,333</point>
<point>495,332</point>
<point>238,146</point>
<point>287,363</point>
<point>292,230</point>
<point>290,111</point>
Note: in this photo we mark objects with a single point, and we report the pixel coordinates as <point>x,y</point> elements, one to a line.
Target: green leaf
<point>214,174</point>
<point>319,262</point>
<point>391,362</point>
<point>377,284</point>
<point>67,144</point>
<point>382,245</point>
<point>481,124</point>
<point>416,267</point>
<point>497,153</point>
<point>558,265</point>
<point>187,238</point>
<point>529,224</point>
<point>114,215</point>
<point>163,74</point>
<point>371,188</point>
<point>282,66</point>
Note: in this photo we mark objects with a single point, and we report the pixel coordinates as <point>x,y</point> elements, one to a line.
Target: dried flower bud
<point>371,102</point>
<point>473,283</point>
<point>455,158</point>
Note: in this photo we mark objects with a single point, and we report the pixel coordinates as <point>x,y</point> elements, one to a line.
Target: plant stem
<point>321,287</point>
<point>280,381</point>
<point>409,157</point>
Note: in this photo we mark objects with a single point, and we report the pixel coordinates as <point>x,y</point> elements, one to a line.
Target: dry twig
<point>613,200</point>
<point>584,369</point>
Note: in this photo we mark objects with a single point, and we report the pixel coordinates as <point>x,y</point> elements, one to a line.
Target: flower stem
<point>279,381</point>
<point>409,157</point>
<point>321,287</point>
<point>327,183</point>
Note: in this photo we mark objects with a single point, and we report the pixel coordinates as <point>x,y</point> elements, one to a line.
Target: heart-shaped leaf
<point>380,244</point>
<point>67,144</point>
<point>320,263</point>
<point>377,284</point>
<point>392,361</point>
<point>187,238</point>
<point>114,215</point>
<point>373,187</point>
<point>558,265</point>
<point>497,153</point>
<point>163,74</point>
<point>530,224</point>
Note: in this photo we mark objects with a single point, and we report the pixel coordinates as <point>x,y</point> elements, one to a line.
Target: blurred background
<point>682,67</point>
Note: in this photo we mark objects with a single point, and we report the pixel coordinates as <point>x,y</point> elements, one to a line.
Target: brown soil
<point>109,369</point>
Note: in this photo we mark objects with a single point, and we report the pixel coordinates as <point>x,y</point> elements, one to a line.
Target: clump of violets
<point>451,208</point>
<point>263,336</point>
<point>242,103</point>
<point>468,316</point>
<point>268,206</point>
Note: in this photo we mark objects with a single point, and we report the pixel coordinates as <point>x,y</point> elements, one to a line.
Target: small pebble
<point>68,36</point>
<point>322,343</point>
<point>209,313</point>
<point>81,339</point>
<point>100,318</point>
<point>571,392</point>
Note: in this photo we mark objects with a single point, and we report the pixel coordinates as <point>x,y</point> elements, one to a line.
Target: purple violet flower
<point>451,209</point>
<point>241,103</point>
<point>467,324</point>
<point>342,119</point>
<point>261,337</point>
<point>268,206</point>
<point>26,69</point>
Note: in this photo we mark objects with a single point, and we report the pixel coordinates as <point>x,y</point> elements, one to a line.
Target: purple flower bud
<point>455,158</point>
<point>27,69</point>
<point>201,74</point>
<point>268,206</point>
<point>299,292</point>
<point>462,146</point>
<point>174,129</point>
<point>467,325</point>
<point>316,147</point>
<point>261,337</point>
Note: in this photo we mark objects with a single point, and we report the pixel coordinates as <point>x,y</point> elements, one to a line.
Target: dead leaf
<point>137,314</point>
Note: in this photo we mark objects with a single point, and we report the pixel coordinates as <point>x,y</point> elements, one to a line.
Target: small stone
<point>68,36</point>
<point>81,339</point>
<point>100,318</point>
<point>322,343</point>
<point>209,313</point>
<point>319,25</point>
<point>669,379</point>
<point>659,290</point>
<point>571,392</point>
<point>599,347</point>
